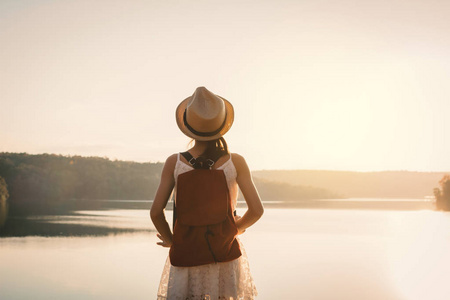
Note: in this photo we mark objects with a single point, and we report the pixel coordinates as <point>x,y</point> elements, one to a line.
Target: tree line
<point>352,184</point>
<point>4,195</point>
<point>39,183</point>
<point>442,194</point>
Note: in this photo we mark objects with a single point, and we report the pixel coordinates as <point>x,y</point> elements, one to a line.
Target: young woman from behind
<point>206,117</point>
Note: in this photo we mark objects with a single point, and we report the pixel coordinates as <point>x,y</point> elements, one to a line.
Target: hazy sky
<point>342,85</point>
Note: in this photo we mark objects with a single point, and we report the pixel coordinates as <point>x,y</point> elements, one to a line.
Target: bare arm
<point>160,201</point>
<point>244,179</point>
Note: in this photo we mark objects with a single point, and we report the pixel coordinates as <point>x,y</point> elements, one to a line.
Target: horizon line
<point>255,170</point>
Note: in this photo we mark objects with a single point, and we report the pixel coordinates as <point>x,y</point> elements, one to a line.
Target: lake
<point>294,253</point>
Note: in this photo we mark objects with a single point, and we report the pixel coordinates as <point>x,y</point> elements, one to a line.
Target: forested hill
<point>388,184</point>
<point>35,182</point>
<point>38,182</point>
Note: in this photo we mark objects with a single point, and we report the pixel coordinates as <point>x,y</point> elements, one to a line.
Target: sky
<point>331,85</point>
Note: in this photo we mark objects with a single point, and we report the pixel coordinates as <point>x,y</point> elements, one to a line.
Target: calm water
<point>294,254</point>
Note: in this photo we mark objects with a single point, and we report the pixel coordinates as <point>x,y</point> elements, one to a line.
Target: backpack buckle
<point>192,161</point>
<point>210,162</point>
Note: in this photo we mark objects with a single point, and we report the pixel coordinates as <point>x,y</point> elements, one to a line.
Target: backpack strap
<point>174,214</point>
<point>189,157</point>
<point>199,162</point>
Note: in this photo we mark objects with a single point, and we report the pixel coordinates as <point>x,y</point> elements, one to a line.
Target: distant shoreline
<point>406,204</point>
<point>46,184</point>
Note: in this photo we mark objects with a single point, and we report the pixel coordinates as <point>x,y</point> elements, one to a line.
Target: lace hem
<point>222,281</point>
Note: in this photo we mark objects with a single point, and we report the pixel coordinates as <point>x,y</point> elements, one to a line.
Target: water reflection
<point>79,223</point>
<point>89,268</point>
<point>294,254</point>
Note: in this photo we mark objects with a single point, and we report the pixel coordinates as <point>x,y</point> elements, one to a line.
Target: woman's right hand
<point>163,243</point>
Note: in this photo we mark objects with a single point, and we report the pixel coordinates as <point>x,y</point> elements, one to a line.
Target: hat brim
<point>228,120</point>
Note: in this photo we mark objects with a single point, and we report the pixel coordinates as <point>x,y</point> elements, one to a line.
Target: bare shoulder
<point>169,165</point>
<point>237,158</point>
<point>239,162</point>
<point>172,158</point>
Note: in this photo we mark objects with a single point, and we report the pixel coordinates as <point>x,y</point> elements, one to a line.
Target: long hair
<point>215,149</point>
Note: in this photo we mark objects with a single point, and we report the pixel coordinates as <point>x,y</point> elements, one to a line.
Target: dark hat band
<point>199,133</point>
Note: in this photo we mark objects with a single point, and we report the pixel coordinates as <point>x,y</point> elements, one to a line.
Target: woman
<point>206,117</point>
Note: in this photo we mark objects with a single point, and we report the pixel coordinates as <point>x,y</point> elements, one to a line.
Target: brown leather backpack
<point>204,227</point>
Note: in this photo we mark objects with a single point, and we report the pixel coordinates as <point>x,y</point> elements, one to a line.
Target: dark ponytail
<point>215,149</point>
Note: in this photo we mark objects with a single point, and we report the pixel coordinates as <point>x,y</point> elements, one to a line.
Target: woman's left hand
<point>163,243</point>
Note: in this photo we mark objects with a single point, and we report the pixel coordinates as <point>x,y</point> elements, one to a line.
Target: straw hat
<point>204,116</point>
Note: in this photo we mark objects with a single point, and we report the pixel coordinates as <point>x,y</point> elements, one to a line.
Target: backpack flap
<point>202,197</point>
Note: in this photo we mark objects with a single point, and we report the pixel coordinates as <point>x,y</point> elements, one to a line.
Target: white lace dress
<point>228,280</point>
